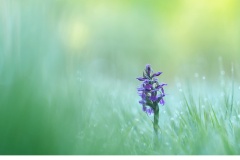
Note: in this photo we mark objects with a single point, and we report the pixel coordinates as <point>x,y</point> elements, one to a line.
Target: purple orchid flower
<point>151,92</point>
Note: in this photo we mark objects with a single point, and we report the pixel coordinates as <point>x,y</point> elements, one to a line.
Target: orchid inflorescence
<point>151,91</point>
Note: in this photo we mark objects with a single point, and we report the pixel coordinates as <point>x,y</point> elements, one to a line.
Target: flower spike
<point>151,90</point>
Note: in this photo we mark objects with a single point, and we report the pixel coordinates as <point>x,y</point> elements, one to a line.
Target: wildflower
<point>152,94</point>
<point>150,91</point>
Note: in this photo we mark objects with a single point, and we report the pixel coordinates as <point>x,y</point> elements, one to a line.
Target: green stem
<point>155,125</point>
<point>156,118</point>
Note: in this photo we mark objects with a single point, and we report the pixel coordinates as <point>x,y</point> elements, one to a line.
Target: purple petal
<point>140,93</point>
<point>156,74</point>
<point>148,69</point>
<point>141,78</point>
<point>140,89</point>
<point>149,111</point>
<point>162,102</point>
<point>144,96</point>
<point>153,97</point>
<point>158,87</point>
<point>142,102</point>
<point>164,84</point>
<point>147,86</point>
<point>144,108</point>
<point>162,90</point>
<point>161,85</point>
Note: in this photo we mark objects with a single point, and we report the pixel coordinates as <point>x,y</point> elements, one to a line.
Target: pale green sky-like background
<point>117,38</point>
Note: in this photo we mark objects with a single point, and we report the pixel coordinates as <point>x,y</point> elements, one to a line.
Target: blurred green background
<point>67,65</point>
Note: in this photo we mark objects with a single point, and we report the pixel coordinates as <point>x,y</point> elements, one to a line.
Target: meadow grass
<point>79,116</point>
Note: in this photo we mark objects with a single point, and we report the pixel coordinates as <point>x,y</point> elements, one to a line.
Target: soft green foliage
<point>68,69</point>
<point>82,117</point>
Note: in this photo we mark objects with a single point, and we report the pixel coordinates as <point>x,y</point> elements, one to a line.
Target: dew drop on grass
<point>232,69</point>
<point>179,85</point>
<point>222,82</point>
<point>79,76</point>
<point>196,75</point>
<point>219,58</point>
<point>222,94</point>
<point>222,72</point>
